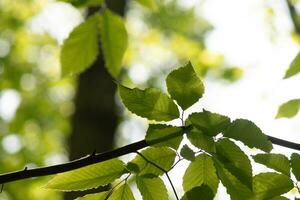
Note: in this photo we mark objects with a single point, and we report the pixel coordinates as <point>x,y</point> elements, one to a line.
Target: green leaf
<point>152,188</point>
<point>122,193</point>
<point>162,156</point>
<point>114,41</point>
<point>201,171</point>
<point>235,161</point>
<point>209,123</point>
<point>279,198</point>
<point>88,177</point>
<point>151,4</point>
<point>164,135</point>
<point>235,188</point>
<point>84,3</point>
<point>203,191</point>
<point>187,153</point>
<point>289,109</point>
<point>274,161</point>
<point>96,196</point>
<point>248,133</point>
<point>294,67</point>
<point>295,163</point>
<point>150,103</point>
<point>185,86</point>
<point>268,185</point>
<point>202,141</point>
<point>80,49</point>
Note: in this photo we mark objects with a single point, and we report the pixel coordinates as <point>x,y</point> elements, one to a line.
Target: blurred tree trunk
<point>94,121</point>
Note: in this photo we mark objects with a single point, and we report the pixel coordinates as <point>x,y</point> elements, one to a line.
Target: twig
<point>163,170</point>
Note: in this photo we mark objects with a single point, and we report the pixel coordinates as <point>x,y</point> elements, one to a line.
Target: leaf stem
<point>162,169</point>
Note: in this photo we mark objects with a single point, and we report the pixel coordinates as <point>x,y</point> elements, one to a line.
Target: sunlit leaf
<point>80,49</point>
<point>235,161</point>
<point>162,156</point>
<point>248,133</point>
<point>187,153</point>
<point>114,40</point>
<point>209,123</point>
<point>88,177</point>
<point>185,86</point>
<point>294,67</point>
<point>170,136</point>
<point>295,163</point>
<point>277,162</point>
<point>289,109</point>
<point>268,185</point>
<point>150,103</point>
<point>202,141</point>
<point>96,196</point>
<point>201,171</point>
<point>234,187</point>
<point>122,193</point>
<point>204,192</point>
<point>152,188</point>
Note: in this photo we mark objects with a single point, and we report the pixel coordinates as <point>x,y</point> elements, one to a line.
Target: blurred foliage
<point>168,35</point>
<point>29,68</point>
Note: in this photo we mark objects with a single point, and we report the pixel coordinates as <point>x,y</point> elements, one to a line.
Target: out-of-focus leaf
<point>295,163</point>
<point>277,162</point>
<point>204,192</point>
<point>151,4</point>
<point>170,136</point>
<point>280,198</point>
<point>235,161</point>
<point>152,188</point>
<point>114,41</point>
<point>269,185</point>
<point>294,67</point>
<point>88,177</point>
<point>187,153</point>
<point>248,133</point>
<point>84,3</point>
<point>201,171</point>
<point>150,103</point>
<point>202,141</point>
<point>209,123</point>
<point>162,156</point>
<point>122,193</point>
<point>80,49</point>
<point>185,86</point>
<point>289,109</point>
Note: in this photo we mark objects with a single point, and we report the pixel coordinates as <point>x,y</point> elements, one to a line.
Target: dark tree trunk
<point>95,120</point>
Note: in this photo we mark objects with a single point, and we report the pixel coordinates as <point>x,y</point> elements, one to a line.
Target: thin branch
<point>163,170</point>
<point>82,162</point>
<point>284,143</point>
<point>96,158</point>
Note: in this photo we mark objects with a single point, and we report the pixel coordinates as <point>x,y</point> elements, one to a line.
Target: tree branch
<point>96,158</point>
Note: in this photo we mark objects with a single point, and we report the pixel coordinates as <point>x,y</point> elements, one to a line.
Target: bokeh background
<point>240,48</point>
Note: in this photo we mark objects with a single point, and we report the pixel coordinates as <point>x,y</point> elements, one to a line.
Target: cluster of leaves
<point>218,157</point>
<point>290,108</point>
<point>113,36</point>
